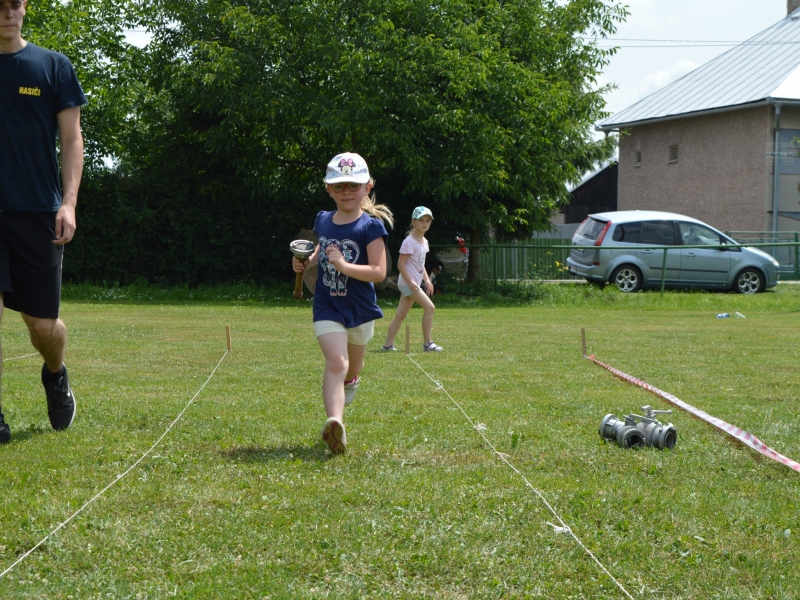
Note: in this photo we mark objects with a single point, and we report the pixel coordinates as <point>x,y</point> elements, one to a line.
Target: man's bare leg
<point>49,337</point>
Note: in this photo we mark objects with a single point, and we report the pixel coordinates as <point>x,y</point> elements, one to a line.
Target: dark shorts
<point>30,264</point>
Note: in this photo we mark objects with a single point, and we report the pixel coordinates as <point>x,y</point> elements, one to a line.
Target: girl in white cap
<point>351,259</point>
<point>412,277</point>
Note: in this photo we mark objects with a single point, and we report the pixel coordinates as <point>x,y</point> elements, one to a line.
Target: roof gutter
<point>765,102</point>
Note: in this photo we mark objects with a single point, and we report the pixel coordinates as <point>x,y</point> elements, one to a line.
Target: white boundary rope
<point>121,475</point>
<point>563,528</point>
<point>20,357</point>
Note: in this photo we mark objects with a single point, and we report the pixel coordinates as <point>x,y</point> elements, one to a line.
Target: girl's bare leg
<point>427,318</point>
<point>356,363</point>
<point>405,304</point>
<point>337,364</point>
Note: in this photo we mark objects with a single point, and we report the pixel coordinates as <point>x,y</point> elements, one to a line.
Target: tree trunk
<point>473,266</point>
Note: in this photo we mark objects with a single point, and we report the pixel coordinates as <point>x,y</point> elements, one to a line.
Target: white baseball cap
<point>347,166</point>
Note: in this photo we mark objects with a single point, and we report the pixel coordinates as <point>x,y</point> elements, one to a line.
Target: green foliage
<point>223,124</point>
<point>482,108</point>
<point>90,34</point>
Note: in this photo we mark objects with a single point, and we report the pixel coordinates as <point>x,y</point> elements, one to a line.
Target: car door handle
<point>690,255</point>
<point>647,251</point>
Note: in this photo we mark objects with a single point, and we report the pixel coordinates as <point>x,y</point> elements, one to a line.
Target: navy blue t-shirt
<point>338,297</point>
<point>35,85</point>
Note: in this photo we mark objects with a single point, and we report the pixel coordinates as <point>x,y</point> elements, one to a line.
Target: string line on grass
<point>120,476</point>
<point>563,528</point>
<point>20,357</point>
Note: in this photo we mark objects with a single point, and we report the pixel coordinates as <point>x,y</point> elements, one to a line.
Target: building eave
<point>610,127</point>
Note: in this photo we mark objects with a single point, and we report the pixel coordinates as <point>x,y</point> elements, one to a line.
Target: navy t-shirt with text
<point>338,297</point>
<point>35,85</point>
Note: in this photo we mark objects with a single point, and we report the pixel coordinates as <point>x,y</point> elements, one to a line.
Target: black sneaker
<point>60,400</point>
<point>5,430</point>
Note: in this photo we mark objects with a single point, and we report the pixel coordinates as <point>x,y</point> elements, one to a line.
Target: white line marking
<point>19,357</point>
<point>120,476</point>
<point>563,528</point>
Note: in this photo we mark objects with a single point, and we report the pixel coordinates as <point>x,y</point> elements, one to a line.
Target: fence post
<point>492,261</point>
<point>796,257</point>
<point>663,271</point>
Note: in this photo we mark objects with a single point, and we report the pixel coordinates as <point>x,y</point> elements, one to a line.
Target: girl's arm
<point>312,260</point>
<point>402,267</point>
<point>374,272</point>
<point>427,281</point>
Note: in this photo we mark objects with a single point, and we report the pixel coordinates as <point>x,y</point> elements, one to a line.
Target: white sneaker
<point>431,347</point>
<point>334,435</point>
<point>350,390</point>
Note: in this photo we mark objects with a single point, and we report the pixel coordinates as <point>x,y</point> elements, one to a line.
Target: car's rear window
<point>591,228</point>
<point>627,232</point>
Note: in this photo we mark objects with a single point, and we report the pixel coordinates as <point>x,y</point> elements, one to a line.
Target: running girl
<point>351,259</point>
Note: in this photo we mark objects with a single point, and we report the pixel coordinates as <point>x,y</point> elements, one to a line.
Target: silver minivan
<point>631,266</point>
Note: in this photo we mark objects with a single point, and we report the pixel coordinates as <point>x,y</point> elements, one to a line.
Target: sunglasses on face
<point>351,185</point>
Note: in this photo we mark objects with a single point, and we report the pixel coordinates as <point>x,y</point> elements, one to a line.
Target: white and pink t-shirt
<point>415,265</point>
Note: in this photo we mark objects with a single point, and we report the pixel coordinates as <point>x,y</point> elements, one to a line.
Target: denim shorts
<point>405,290</point>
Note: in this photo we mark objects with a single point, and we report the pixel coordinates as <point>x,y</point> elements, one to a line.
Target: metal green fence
<point>547,259</point>
<point>787,256</point>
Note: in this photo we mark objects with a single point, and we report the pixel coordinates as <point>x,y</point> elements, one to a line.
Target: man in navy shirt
<point>40,99</point>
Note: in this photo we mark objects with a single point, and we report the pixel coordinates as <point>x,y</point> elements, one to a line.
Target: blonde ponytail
<point>379,211</point>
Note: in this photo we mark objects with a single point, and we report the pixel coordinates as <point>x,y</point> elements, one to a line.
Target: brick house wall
<point>713,167</point>
<point>720,174</point>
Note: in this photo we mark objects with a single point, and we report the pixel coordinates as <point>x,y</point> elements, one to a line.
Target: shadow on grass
<point>317,453</point>
<point>26,433</point>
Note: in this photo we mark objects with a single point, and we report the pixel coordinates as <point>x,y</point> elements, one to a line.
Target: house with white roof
<point>719,144</point>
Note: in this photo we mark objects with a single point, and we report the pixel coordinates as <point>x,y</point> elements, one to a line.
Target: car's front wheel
<point>627,278</point>
<point>749,281</point>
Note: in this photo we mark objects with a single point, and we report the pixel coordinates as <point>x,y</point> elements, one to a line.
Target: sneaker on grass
<point>350,390</point>
<point>389,348</point>
<point>334,435</point>
<point>5,430</point>
<point>431,347</point>
<point>60,399</point>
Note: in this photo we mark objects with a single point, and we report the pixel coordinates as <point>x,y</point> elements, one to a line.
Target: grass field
<point>242,499</point>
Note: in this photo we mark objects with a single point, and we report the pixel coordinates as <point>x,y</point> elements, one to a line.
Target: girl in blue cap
<point>412,277</point>
<point>352,258</point>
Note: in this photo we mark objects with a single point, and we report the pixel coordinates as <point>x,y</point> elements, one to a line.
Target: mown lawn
<point>242,499</point>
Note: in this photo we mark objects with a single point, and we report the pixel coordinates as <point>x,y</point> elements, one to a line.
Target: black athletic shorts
<point>30,263</point>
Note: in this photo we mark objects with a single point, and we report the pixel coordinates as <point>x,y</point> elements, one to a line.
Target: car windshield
<point>591,228</point>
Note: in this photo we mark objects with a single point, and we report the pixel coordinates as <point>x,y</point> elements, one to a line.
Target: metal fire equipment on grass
<point>648,431</point>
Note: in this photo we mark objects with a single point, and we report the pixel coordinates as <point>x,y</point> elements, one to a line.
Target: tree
<point>219,130</point>
<point>481,109</point>
<point>91,34</point>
